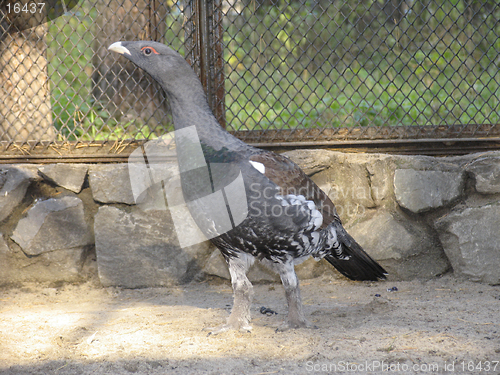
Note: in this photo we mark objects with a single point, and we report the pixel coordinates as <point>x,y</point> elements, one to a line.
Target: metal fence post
<point>203,38</point>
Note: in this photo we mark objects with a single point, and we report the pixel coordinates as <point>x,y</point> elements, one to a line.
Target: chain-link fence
<point>305,72</point>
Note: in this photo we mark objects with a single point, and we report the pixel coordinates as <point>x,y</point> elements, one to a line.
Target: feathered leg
<point>242,294</point>
<point>296,318</point>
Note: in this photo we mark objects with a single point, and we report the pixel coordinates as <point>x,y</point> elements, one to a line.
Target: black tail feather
<point>357,265</point>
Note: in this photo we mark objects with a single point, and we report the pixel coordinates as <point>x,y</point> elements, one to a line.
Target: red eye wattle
<point>148,51</point>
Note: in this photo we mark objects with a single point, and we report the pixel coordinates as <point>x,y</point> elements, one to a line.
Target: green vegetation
<point>70,54</point>
<point>348,63</point>
<point>70,67</point>
<point>316,64</point>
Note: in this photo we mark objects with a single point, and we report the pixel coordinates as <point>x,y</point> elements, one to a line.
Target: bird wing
<point>292,180</point>
<point>353,262</point>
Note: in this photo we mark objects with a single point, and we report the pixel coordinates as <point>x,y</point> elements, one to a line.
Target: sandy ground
<point>440,326</point>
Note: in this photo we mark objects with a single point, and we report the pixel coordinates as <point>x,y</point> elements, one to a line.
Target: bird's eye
<point>148,51</point>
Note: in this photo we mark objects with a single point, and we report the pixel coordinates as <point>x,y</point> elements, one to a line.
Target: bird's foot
<point>247,328</point>
<point>293,324</point>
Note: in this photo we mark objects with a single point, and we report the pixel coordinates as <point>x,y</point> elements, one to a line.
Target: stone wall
<point>419,216</point>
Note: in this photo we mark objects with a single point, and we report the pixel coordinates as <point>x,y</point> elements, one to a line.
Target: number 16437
<point>25,8</point>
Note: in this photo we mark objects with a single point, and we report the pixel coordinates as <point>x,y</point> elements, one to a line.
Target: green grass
<point>424,95</point>
<point>70,64</point>
<point>452,77</point>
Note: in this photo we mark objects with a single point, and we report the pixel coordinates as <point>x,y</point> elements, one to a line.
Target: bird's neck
<point>190,108</point>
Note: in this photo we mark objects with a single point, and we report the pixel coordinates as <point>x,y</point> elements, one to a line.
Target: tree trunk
<point>140,98</point>
<point>25,109</point>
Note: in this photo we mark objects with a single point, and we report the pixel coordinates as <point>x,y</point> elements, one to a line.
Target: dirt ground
<point>440,326</point>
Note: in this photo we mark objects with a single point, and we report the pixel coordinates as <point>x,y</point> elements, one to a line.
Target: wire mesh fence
<point>275,72</point>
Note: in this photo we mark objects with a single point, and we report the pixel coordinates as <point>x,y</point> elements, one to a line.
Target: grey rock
<point>471,240</point>
<point>311,268</point>
<point>354,182</point>
<point>111,184</point>
<point>4,248</point>
<point>140,249</point>
<point>373,172</point>
<point>13,184</point>
<point>384,237</point>
<point>4,254</point>
<point>55,266</point>
<point>348,185</point>
<point>350,188</point>
<point>68,176</point>
<point>216,266</point>
<point>420,191</point>
<point>311,161</point>
<point>486,172</point>
<point>427,163</point>
<point>53,224</point>
<point>406,249</point>
<point>380,170</point>
<point>139,246</point>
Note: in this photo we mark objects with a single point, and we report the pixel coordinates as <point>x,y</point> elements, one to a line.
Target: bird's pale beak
<point>117,47</point>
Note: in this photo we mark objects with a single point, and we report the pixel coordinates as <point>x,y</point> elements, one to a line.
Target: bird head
<point>164,64</point>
